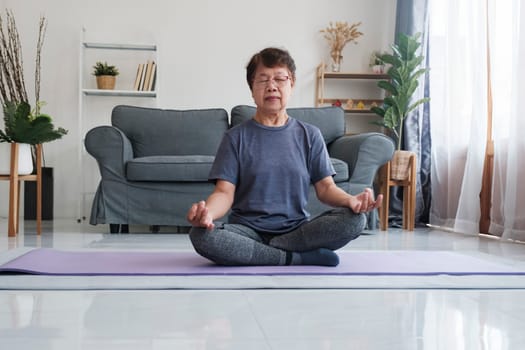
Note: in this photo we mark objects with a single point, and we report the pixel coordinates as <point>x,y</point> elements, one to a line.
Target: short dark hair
<point>269,57</point>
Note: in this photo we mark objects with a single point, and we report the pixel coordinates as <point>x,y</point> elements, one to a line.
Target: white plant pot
<point>378,69</point>
<point>25,161</point>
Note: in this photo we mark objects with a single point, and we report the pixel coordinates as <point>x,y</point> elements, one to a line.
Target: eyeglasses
<point>280,81</point>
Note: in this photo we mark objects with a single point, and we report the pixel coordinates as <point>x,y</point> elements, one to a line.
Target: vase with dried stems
<point>22,124</point>
<point>338,35</point>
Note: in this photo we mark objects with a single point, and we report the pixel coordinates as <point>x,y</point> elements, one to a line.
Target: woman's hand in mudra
<point>365,202</point>
<point>198,216</point>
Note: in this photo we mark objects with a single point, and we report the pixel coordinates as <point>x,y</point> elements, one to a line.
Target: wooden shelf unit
<point>323,75</point>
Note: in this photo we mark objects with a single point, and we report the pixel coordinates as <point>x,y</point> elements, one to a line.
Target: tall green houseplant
<point>404,73</point>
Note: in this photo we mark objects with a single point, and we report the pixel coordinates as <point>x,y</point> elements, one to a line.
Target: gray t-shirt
<point>272,169</point>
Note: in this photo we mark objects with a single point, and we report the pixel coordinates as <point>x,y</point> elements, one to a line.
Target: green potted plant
<point>376,63</point>
<point>23,126</point>
<point>29,128</point>
<point>26,127</point>
<point>105,75</point>
<point>404,73</point>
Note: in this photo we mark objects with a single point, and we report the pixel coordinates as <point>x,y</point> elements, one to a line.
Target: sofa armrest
<point>364,154</point>
<point>111,149</point>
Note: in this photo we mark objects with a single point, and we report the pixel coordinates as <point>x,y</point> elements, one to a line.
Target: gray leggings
<point>234,244</point>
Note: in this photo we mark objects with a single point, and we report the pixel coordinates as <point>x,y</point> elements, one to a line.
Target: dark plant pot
<point>47,196</point>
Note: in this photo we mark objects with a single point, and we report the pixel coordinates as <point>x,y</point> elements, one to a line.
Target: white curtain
<point>508,54</point>
<point>458,112</point>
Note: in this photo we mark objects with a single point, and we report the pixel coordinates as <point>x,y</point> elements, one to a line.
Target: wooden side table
<point>14,190</point>
<point>409,194</point>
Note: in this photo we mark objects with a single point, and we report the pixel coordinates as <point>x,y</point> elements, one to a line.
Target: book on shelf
<point>146,76</point>
<point>142,76</point>
<point>138,77</point>
<point>152,76</point>
<point>149,66</point>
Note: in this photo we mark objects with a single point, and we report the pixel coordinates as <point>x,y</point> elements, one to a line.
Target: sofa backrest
<point>154,131</point>
<point>330,120</point>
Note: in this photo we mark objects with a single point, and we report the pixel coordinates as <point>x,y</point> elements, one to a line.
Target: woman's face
<point>272,87</point>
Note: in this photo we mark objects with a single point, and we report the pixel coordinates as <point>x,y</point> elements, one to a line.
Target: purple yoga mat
<point>47,261</point>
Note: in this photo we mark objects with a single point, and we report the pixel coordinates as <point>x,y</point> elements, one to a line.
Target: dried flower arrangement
<point>340,34</point>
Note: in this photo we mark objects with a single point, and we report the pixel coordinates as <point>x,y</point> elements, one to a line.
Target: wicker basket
<point>400,165</point>
<point>106,82</point>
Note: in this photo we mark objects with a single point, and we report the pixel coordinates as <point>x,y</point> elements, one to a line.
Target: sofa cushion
<point>169,168</point>
<point>191,168</point>
<point>341,169</point>
<point>158,132</point>
<point>330,120</point>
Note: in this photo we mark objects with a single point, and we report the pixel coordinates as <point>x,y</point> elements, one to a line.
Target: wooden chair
<point>14,190</point>
<point>409,195</point>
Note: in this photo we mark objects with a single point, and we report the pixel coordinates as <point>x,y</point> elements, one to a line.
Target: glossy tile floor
<point>261,319</point>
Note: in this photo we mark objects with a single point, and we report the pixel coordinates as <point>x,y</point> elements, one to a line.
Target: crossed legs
<point>312,243</point>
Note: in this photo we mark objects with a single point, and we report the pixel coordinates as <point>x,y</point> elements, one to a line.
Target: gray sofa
<point>154,163</point>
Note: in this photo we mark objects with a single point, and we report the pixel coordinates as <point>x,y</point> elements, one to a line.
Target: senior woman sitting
<point>262,172</point>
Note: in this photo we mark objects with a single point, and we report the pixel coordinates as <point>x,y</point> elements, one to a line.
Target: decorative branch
<point>12,87</point>
<point>5,84</point>
<point>41,35</point>
<point>18,60</point>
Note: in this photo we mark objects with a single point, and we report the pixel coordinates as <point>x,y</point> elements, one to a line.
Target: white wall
<point>204,46</point>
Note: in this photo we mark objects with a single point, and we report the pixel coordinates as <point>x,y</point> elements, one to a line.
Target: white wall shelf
<point>95,105</point>
<point>128,93</point>
<point>115,46</point>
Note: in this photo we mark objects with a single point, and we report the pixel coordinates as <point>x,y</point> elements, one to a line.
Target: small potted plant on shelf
<point>404,73</point>
<point>376,63</point>
<point>105,75</point>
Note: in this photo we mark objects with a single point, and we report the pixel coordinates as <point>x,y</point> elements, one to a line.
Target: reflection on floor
<point>259,319</point>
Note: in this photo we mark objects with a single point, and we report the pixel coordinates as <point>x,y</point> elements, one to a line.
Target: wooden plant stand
<point>14,190</point>
<point>409,194</point>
